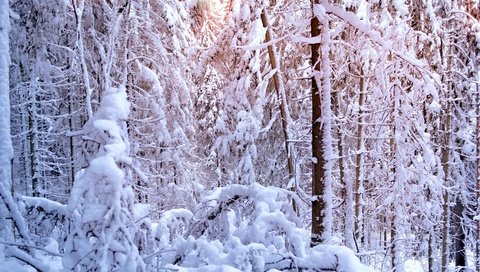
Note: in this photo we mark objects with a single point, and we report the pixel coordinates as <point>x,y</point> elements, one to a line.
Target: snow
<point>355,21</point>
<point>244,228</point>
<point>400,7</point>
<point>413,266</point>
<point>306,40</point>
<point>338,257</point>
<point>101,199</point>
<point>47,205</point>
<point>434,107</point>
<point>209,268</point>
<point>191,4</point>
<point>319,11</point>
<point>234,221</point>
<point>115,105</point>
<point>6,148</point>
<point>245,13</point>
<point>11,265</point>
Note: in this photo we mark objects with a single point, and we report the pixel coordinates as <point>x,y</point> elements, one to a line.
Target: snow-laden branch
<point>32,246</point>
<point>81,51</point>
<point>47,205</point>
<point>26,258</point>
<point>352,19</point>
<point>258,46</point>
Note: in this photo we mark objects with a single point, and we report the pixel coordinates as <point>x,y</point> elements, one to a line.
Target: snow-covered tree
<point>102,229</point>
<point>239,114</point>
<point>160,84</point>
<point>44,105</point>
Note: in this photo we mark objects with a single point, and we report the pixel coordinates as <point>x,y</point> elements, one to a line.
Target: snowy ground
<point>412,265</point>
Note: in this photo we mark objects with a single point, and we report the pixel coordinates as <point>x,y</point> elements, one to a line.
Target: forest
<point>239,135</point>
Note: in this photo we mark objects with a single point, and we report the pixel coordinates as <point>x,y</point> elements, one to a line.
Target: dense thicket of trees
<point>137,135</point>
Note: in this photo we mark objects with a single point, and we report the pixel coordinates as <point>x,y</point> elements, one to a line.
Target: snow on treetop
<point>114,105</point>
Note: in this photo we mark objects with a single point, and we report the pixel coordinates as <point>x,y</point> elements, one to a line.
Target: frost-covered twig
<point>26,258</point>
<point>31,246</point>
<point>202,226</point>
<point>46,205</point>
<point>81,258</point>
<point>157,253</point>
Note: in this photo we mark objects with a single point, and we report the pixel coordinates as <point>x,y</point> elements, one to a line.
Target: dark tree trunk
<point>318,172</point>
<point>460,258</point>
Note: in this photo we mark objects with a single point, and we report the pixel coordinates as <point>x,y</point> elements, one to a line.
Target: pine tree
<point>102,225</point>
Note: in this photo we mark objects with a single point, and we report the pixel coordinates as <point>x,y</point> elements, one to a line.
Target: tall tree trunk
<point>431,258</point>
<point>392,171</point>
<point>318,186</point>
<point>78,9</point>
<point>445,157</point>
<point>6,147</point>
<point>431,251</point>
<point>459,238</point>
<point>32,146</point>
<point>347,191</point>
<point>322,150</point>
<point>477,244</point>
<point>397,173</point>
<point>432,242</point>
<point>359,169</point>
<point>71,145</point>
<point>395,231</point>
<point>284,112</point>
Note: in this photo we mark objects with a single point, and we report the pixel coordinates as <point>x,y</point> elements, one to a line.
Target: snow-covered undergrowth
<point>234,228</point>
<point>238,228</point>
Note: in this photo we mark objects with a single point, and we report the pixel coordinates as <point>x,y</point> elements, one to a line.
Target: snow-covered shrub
<point>46,219</point>
<point>249,228</point>
<point>254,214</point>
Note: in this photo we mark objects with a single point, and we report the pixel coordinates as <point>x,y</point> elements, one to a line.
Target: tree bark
<point>398,180</point>
<point>284,112</point>
<point>358,168</point>
<point>445,157</point>
<point>347,190</point>
<point>322,150</point>
<point>32,148</point>
<point>318,172</point>
<point>459,244</point>
<point>431,258</point>
<point>394,171</point>
<point>477,244</point>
